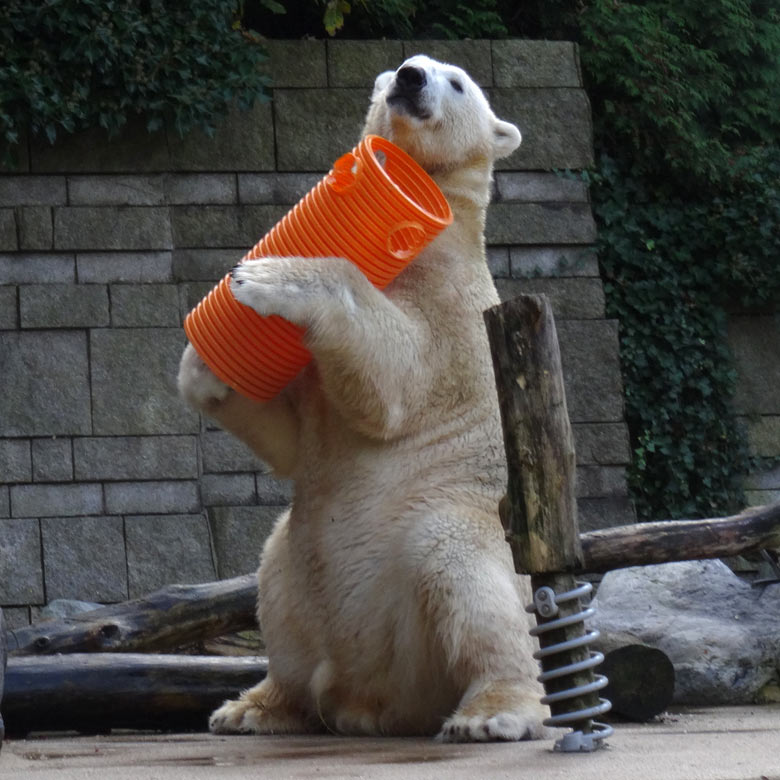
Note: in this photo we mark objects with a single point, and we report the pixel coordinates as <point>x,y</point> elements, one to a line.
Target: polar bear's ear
<point>506,138</point>
<point>382,80</point>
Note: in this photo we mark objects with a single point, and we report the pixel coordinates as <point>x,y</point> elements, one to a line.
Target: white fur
<point>388,599</point>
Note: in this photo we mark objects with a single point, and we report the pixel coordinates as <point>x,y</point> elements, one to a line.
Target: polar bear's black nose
<point>410,79</point>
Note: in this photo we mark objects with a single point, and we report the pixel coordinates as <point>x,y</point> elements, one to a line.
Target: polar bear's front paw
<point>273,285</point>
<point>197,384</point>
<point>229,718</point>
<point>499,713</point>
<point>503,727</point>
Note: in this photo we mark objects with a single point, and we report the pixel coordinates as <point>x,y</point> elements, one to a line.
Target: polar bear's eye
<point>456,85</point>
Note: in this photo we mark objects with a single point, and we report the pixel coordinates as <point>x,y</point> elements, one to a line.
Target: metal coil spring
<point>546,604</point>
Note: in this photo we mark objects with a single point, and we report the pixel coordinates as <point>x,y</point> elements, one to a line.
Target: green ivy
<point>671,270</point>
<point>66,65</point>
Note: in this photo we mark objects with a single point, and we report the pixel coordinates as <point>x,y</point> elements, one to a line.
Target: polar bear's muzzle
<point>407,92</point>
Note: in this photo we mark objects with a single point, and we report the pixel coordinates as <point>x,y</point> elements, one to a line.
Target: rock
<point>721,635</point>
<point>2,671</point>
<point>65,608</point>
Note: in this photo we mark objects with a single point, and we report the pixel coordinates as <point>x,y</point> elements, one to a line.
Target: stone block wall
<point>109,485</point>
<point>755,342</point>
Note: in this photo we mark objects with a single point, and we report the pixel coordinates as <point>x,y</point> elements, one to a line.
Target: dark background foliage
<point>686,105</point>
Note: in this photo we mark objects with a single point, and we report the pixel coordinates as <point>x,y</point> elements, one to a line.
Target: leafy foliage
<point>380,19</point>
<point>72,64</point>
<point>687,196</point>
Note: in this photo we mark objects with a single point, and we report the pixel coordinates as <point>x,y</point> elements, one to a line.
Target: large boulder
<point>721,634</point>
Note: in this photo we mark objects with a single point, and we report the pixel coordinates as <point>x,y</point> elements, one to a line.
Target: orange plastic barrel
<point>376,207</point>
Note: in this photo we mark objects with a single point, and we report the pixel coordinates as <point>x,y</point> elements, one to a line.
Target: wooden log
<point>641,681</point>
<point>681,540</point>
<point>541,506</point>
<point>163,620</point>
<point>95,693</point>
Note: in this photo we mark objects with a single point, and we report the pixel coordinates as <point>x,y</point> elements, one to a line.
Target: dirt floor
<point>739,743</point>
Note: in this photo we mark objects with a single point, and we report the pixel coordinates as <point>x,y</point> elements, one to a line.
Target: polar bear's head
<point>438,115</point>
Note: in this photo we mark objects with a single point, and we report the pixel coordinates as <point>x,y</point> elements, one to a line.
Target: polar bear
<point>387,594</point>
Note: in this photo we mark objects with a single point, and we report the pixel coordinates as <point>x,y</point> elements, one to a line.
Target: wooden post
<point>540,511</point>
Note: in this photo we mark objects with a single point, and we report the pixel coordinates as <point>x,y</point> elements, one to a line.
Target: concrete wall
<point>110,485</point>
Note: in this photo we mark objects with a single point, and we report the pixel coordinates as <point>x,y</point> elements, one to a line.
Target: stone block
<point>358,63</point>
<point>498,261</point>
<point>549,261</point>
<point>755,344</point>
<point>532,187</point>
<point>207,265</point>
<point>764,436</point>
<point>135,457</point>
<point>296,63</point>
<point>240,227</point>
<point>540,223</point>
<point>8,308</point>
<point>591,369</point>
<point>144,305</point>
<point>524,63</point>
<point>228,489</point>
<point>273,491</point>
<point>52,460</point>
<point>15,461</point>
<point>160,497</point>
<point>244,141</point>
<point>112,227</point>
<point>35,227</point>
<point>56,500</point>
<point>764,480</point>
<point>8,241</point>
<point>163,550</point>
<point>16,617</point>
<point>33,191</point>
<point>602,443</point>
<point>570,298</point>
<point>34,269</point>
<point>21,574</point>
<point>761,497</point>
<point>63,306</point>
<point>601,481</point>
<point>473,56</point>
<point>303,145</point>
<point>223,452</point>
<point>134,382</point>
<point>193,188</point>
<point>84,558</point>
<point>278,188</point>
<point>239,534</point>
<point>93,151</point>
<point>190,294</point>
<point>5,501</point>
<point>595,513</point>
<point>113,190</point>
<point>256,221</point>
<point>208,226</point>
<point>143,267</point>
<point>44,383</point>
<point>556,128</point>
